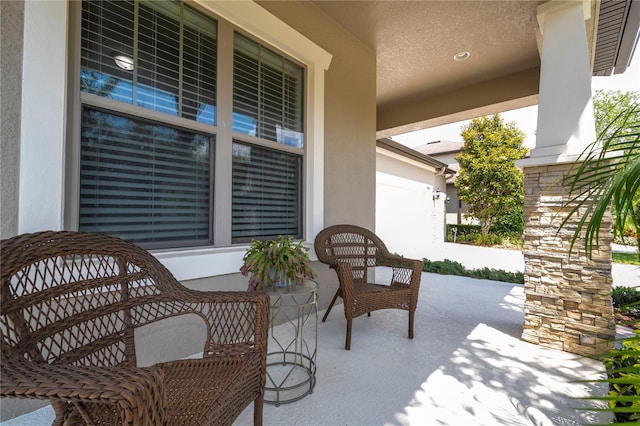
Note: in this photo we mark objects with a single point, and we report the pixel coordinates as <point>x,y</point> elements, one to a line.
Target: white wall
<point>408,218</point>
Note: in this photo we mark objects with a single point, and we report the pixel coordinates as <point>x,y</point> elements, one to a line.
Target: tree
<point>607,105</point>
<point>489,181</point>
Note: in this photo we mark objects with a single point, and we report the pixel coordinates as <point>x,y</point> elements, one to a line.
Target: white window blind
<point>143,182</point>
<point>159,55</point>
<point>266,193</point>
<point>267,94</point>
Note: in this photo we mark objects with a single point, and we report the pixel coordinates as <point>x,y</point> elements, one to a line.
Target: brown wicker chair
<point>352,251</point>
<point>70,303</point>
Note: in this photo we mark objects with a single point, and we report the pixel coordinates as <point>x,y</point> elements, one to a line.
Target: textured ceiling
<point>415,41</point>
<point>420,85</point>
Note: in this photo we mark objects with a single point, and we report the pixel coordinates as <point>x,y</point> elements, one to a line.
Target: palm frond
<point>606,174</point>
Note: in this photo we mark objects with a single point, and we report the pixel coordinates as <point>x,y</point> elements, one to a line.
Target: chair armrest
<point>236,321</point>
<point>136,393</point>
<point>405,271</point>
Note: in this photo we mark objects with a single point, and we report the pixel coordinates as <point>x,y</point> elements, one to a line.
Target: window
<point>142,181</point>
<point>149,140</point>
<point>267,103</point>
<point>267,94</point>
<point>266,193</point>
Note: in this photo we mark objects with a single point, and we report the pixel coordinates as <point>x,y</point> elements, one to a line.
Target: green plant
<point>282,262</point>
<point>509,225</point>
<point>624,296</point>
<point>623,371</point>
<point>456,232</point>
<point>607,173</point>
<point>450,267</point>
<point>487,239</point>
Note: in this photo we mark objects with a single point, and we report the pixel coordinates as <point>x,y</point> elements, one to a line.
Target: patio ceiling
<point>420,85</point>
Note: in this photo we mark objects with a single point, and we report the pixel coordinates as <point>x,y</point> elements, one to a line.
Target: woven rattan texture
<point>70,303</point>
<point>352,251</point>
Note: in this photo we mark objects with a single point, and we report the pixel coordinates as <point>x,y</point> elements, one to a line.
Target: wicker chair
<point>70,303</point>
<point>352,251</point>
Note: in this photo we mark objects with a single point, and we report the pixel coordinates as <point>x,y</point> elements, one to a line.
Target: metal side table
<point>293,338</point>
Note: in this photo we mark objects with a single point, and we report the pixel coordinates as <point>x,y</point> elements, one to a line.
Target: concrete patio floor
<point>465,366</point>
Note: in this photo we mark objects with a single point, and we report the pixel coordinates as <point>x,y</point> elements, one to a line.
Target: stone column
<point>567,297</point>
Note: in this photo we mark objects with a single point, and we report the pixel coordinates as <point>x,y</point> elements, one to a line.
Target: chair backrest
<point>351,244</point>
<point>75,298</point>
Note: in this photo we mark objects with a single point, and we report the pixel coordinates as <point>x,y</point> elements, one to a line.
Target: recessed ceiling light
<point>461,56</point>
<point>124,62</point>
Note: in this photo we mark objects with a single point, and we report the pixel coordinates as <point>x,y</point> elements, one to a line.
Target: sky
<point>525,118</point>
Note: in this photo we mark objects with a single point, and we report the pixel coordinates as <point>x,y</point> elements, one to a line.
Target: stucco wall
<point>11,16</point>
<point>350,114</point>
<point>408,217</point>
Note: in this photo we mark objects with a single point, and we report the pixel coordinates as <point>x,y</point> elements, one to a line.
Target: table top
<point>307,287</point>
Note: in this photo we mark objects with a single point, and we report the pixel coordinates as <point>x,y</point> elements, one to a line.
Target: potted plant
<point>282,262</point>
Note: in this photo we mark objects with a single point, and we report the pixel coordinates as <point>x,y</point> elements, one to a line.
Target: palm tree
<point>607,174</point>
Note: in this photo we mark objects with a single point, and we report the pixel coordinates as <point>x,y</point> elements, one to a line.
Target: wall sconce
<point>436,195</point>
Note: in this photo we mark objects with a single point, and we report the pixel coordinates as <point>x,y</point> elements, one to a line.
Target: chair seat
<point>214,385</point>
<point>371,297</point>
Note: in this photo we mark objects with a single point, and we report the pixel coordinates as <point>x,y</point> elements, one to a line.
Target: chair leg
<point>326,314</point>
<point>257,411</point>
<point>411,315</point>
<point>347,346</point>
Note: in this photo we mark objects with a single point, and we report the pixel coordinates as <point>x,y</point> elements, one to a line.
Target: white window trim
<point>42,164</point>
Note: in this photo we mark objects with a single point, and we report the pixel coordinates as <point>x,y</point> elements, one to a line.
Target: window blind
<point>170,50</point>
<point>267,94</point>
<point>143,182</point>
<point>266,196</point>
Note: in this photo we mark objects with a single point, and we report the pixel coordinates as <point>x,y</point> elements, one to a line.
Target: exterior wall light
<point>436,195</point>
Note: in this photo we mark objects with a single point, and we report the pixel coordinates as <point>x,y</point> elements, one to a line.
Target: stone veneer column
<point>567,297</point>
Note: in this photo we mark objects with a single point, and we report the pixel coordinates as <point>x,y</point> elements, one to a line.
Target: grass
<point>627,258</point>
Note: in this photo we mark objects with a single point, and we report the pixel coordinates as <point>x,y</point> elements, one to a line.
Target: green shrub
<point>444,267</point>
<point>498,275</point>
<point>623,372</point>
<point>487,240</point>
<point>624,296</point>
<point>450,267</point>
<point>509,225</point>
<point>461,231</point>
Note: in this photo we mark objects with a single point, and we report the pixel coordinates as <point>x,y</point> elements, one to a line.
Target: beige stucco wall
<point>11,16</point>
<point>350,114</point>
